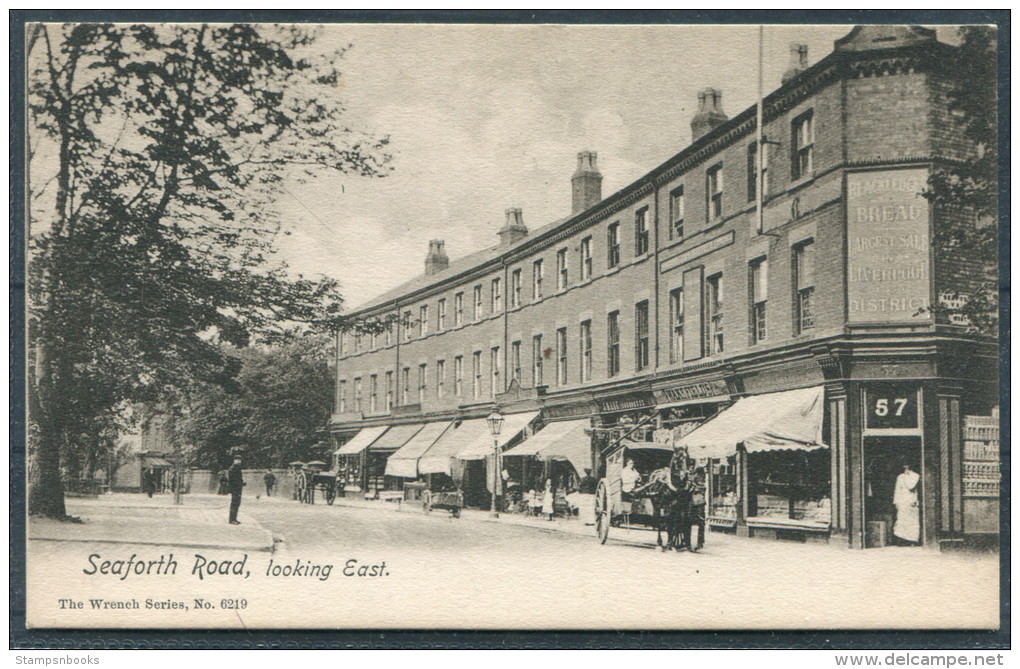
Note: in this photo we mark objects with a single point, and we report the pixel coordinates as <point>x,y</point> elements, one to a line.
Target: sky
<point>482,118</point>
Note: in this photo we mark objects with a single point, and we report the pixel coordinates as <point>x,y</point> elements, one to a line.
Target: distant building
<point>664,303</point>
<point>148,447</point>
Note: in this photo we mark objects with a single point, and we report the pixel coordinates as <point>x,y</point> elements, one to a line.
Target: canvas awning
<point>791,419</point>
<point>437,460</point>
<point>483,445</point>
<point>405,461</point>
<point>567,440</point>
<point>395,438</point>
<point>154,461</point>
<point>362,440</point>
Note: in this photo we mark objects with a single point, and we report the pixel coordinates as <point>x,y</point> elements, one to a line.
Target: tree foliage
<point>968,191</point>
<point>273,412</point>
<point>155,154</point>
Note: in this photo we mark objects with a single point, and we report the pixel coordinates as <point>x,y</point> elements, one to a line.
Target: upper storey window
<point>641,232</point>
<point>714,311</point>
<point>458,309</point>
<point>478,303</point>
<point>585,258</point>
<point>441,314</point>
<point>714,191</point>
<point>676,213</point>
<point>515,288</point>
<point>562,272</point>
<point>752,164</point>
<point>497,295</point>
<point>613,245</point>
<point>803,145</point>
<point>537,271</point>
<point>804,281</point>
<point>423,320</point>
<point>758,289</point>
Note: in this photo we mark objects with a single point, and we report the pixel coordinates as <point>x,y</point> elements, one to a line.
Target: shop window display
<point>790,485</point>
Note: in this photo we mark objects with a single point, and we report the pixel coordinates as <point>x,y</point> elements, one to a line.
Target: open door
<point>884,461</point>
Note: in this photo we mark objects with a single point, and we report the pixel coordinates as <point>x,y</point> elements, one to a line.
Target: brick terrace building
<point>664,300</point>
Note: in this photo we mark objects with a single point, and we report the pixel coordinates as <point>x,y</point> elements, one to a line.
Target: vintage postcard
<point>512,327</point>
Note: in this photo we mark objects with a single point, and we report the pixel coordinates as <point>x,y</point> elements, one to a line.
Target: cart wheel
<point>426,502</point>
<point>331,493</point>
<point>456,512</point>
<point>602,512</point>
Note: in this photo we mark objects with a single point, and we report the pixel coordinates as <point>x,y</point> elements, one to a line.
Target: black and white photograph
<point>430,325</point>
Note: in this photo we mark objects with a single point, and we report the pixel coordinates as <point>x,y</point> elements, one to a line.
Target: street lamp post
<point>495,421</point>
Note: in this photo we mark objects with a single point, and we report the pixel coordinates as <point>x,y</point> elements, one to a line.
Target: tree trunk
<point>45,487</point>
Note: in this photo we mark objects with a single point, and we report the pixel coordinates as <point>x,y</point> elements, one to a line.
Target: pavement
<point>126,518</point>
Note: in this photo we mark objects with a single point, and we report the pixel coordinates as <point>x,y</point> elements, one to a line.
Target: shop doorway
<point>884,458</point>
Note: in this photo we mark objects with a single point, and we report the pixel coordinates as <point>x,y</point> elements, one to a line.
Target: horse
<point>669,490</point>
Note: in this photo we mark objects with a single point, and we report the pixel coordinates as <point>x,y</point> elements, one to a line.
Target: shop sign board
<point>888,254</point>
<point>713,388</point>
<point>626,403</point>
<point>891,406</point>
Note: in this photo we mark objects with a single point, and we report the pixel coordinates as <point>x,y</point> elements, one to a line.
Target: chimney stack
<point>798,61</point>
<point>710,113</point>
<point>586,182</point>
<point>514,230</point>
<point>436,260</point>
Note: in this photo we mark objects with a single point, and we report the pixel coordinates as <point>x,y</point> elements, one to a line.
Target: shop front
<point>478,457</point>
<point>379,452</point>
<point>767,466</point>
<point>403,464</point>
<point>442,471</point>
<point>350,459</point>
<point>560,454</point>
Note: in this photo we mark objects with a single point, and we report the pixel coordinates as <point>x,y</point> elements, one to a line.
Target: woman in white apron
<point>547,499</point>
<point>908,513</point>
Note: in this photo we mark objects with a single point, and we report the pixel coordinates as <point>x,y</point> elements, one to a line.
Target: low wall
<point>205,481</point>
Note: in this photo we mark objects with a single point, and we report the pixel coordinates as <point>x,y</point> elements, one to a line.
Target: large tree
<point>967,192</point>
<point>280,401</point>
<point>155,155</point>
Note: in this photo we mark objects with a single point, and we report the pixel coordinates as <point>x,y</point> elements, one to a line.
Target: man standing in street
<point>235,485</point>
<point>270,480</point>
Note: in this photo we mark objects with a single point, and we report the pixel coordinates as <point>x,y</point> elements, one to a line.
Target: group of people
<point>541,496</point>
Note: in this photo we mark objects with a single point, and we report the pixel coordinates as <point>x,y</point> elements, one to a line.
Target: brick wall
<point>898,116</point>
<point>887,117</point>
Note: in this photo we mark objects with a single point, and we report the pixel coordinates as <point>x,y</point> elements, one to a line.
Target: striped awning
<point>483,446</point>
<point>405,461</point>
<point>567,440</point>
<point>395,438</point>
<point>362,440</point>
<point>791,419</point>
<point>437,460</point>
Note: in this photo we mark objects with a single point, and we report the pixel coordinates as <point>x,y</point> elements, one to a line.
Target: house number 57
<point>882,407</point>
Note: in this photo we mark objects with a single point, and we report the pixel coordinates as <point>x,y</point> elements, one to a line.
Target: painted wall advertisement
<point>888,273</point>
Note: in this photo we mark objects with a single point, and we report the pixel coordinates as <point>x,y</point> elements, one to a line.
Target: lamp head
<point>495,421</point>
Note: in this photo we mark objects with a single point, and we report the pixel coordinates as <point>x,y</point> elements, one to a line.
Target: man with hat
<point>235,485</point>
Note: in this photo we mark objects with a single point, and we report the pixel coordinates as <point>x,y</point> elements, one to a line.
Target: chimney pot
<point>586,183</point>
<point>710,113</point>
<point>798,61</point>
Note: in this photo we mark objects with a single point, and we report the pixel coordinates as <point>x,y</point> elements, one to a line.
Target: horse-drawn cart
<point>311,478</point>
<point>616,508</point>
